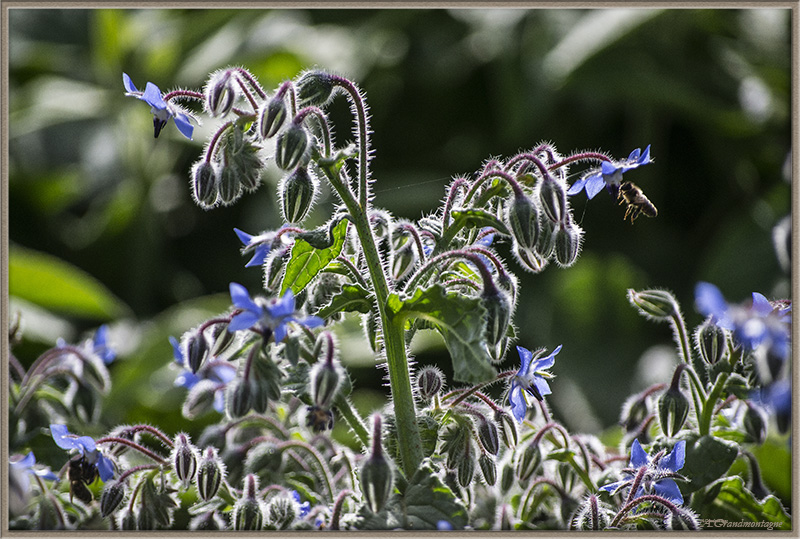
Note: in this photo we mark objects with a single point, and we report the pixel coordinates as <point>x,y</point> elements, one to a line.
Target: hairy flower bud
<point>466,467</point>
<point>711,342</point>
<point>315,87</point>
<point>204,184</point>
<point>755,423</point>
<point>376,472</point>
<point>507,478</point>
<point>247,514</point>
<point>528,461</point>
<point>657,305</point>
<point>291,147</point>
<point>673,408</point>
<point>238,398</point>
<point>297,192</point>
<point>567,243</point>
<point>487,434</point>
<point>523,219</point>
<point>220,93</point>
<point>403,261</point>
<point>127,520</point>
<point>272,116</point>
<point>545,244</point>
<point>634,411</point>
<point>683,519</point>
<point>210,472</point>
<point>208,521</point>
<point>196,350</point>
<point>592,515</point>
<point>229,184</point>
<point>184,459</point>
<point>325,382</point>
<point>111,498</point>
<point>221,339</point>
<point>488,469</point>
<point>529,259</point>
<point>508,429</point>
<point>429,382</point>
<point>498,314</point>
<point>281,511</point>
<point>553,198</point>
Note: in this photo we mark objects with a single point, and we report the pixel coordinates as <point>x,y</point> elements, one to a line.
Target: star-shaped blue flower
<point>162,111</point>
<point>260,245</point>
<point>530,380</point>
<point>85,446</point>
<point>610,174</point>
<point>304,507</point>
<point>658,478</point>
<point>275,314</point>
<point>28,464</point>
<point>217,372</point>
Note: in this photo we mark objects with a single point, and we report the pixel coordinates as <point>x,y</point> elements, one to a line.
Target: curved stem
<point>362,134</point>
<point>708,407</point>
<point>353,420</point>
<point>141,449</point>
<point>322,120</point>
<point>326,473</point>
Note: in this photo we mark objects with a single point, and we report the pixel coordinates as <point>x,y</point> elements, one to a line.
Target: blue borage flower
<point>219,373</point>
<point>530,380</point>
<point>28,465</point>
<point>304,507</point>
<point>275,314</point>
<point>162,110</point>
<point>610,174</point>
<point>658,478</point>
<point>85,445</point>
<point>761,322</point>
<point>98,346</point>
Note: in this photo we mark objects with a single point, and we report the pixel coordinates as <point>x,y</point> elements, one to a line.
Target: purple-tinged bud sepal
<point>377,476</point>
<point>326,378</point>
<point>111,497</point>
<point>272,116</point>
<point>553,198</point>
<point>291,147</point>
<point>429,381</point>
<point>210,473</point>
<point>248,511</point>
<point>197,350</point>
<point>220,93</point>
<point>184,459</point>
<point>592,515</point>
<point>487,435</point>
<point>315,88</point>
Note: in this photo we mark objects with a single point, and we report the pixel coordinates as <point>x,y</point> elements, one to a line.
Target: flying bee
<point>81,473</point>
<point>637,202</point>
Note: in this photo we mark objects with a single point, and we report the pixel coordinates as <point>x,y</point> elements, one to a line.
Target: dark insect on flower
<point>319,419</point>
<point>637,202</point>
<point>81,473</point>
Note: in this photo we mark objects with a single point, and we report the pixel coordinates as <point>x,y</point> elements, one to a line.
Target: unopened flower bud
<point>592,515</point>
<point>247,512</point>
<point>325,382</point>
<point>488,469</point>
<point>429,382</point>
<point>376,472</point>
<point>498,314</point>
<point>273,268</point>
<point>272,116</point>
<point>528,462</point>
<point>403,261</point>
<point>567,243</point>
<point>111,498</point>
<point>530,259</point>
<point>204,184</point>
<point>553,198</point>
<point>196,350</point>
<point>508,429</point>
<point>281,512</point>
<point>711,342</point>
<point>755,423</point>
<point>127,520</point>
<point>264,458</point>
<point>682,519</point>
<point>297,192</point>
<point>210,472</point>
<point>673,408</point>
<point>208,521</point>
<point>238,398</point>
<point>634,411</point>
<point>221,339</point>
<point>523,219</point>
<point>507,478</point>
<point>315,87</point>
<point>466,467</point>
<point>184,459</point>
<point>229,185</point>
<point>220,93</point>
<point>487,434</point>
<point>291,147</point>
<point>657,305</point>
<point>545,244</point>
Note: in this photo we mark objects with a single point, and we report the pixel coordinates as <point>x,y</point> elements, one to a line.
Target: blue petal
<point>546,362</point>
<point>675,459</point>
<point>282,330</point>
<point>259,256</point>
<point>594,184</point>
<point>639,457</point>
<point>187,379</point>
<point>283,307</point>
<point>608,168</point>
<point>645,158</point>
<point>219,400</point>
<point>176,350</point>
<point>243,320</point>
<point>128,83</point>
<point>184,125</point>
<point>244,237</point>
<point>525,356</point>
<point>541,385</point>
<point>613,487</point>
<point>241,298</point>
<point>152,96</point>
<point>106,468</point>
<point>668,489</point>
<point>311,322</point>
<point>576,187</point>
<point>25,462</point>
<point>634,155</point>
<point>761,304</point>
<point>519,406</point>
<point>64,440</point>
<point>710,302</point>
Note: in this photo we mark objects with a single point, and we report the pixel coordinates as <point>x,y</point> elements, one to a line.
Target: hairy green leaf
<point>351,298</point>
<point>728,504</point>
<point>307,260</point>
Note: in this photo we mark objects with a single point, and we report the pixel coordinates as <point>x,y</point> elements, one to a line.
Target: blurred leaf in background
<point>94,193</point>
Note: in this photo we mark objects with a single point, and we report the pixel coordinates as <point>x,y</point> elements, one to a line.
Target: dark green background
<point>709,89</point>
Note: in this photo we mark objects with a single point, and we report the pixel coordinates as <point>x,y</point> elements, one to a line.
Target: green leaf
<point>307,260</point>
<point>775,460</point>
<point>707,459</point>
<point>731,506</point>
<point>428,501</point>
<point>351,298</point>
<point>477,218</point>
<point>460,320</point>
<point>49,282</point>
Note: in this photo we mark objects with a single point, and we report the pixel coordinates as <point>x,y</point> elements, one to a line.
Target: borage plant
<point>436,457</point>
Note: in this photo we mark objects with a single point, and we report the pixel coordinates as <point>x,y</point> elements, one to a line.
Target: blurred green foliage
<point>88,184</point>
